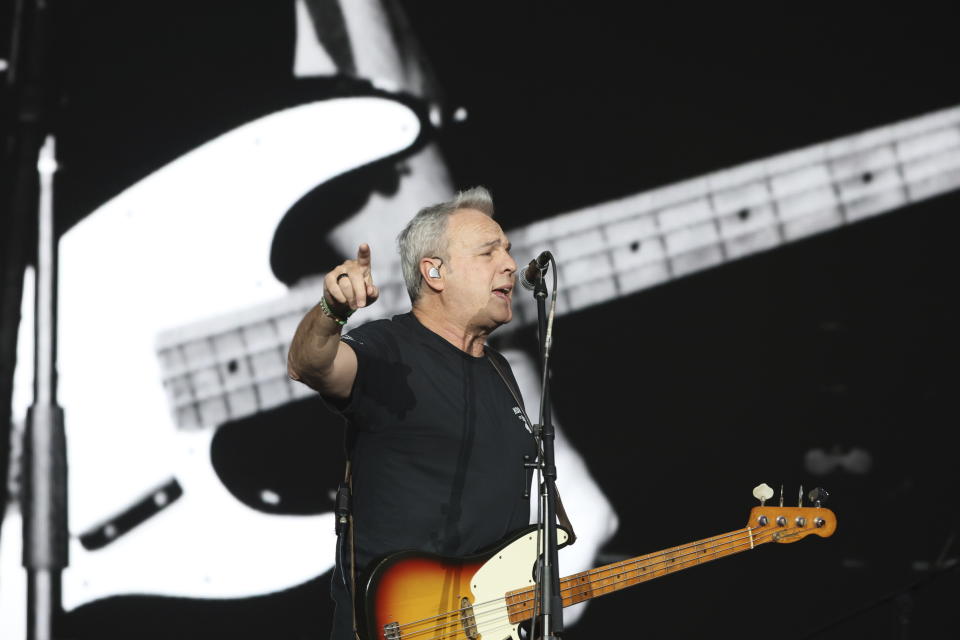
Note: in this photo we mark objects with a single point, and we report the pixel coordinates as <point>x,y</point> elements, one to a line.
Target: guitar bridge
<point>391,631</point>
<point>467,621</point>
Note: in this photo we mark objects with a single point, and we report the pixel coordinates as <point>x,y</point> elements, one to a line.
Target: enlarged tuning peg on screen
<point>762,492</point>
<point>818,496</point>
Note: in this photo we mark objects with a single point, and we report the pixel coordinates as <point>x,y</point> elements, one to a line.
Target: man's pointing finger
<point>363,255</point>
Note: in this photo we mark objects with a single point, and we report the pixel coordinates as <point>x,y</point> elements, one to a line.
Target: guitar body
<point>190,241</point>
<point>488,595</point>
<point>428,596</point>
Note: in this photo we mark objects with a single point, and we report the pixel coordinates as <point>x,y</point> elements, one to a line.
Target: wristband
<point>325,307</point>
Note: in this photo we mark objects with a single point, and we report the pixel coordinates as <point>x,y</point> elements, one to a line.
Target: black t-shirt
<point>436,443</point>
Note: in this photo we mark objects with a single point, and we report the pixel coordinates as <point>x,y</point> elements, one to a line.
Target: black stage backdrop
<point>681,397</point>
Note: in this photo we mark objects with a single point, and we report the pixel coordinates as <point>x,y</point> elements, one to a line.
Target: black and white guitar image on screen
<point>159,399</point>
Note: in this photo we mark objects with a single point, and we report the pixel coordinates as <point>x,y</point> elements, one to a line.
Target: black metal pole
<point>32,83</point>
<point>552,604</point>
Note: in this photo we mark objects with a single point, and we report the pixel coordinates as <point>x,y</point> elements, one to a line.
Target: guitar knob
<point>818,496</point>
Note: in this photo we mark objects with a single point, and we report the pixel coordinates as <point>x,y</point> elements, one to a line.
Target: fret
<point>810,212</point>
<point>734,178</point>
<point>933,175</point>
<point>671,196</point>
<point>639,261</point>
<point>685,214</point>
<point>929,144</point>
<point>749,230</point>
<point>872,192</point>
<point>755,241</point>
<point>584,243</point>
<point>741,200</point>
<point>860,166</point>
<point>643,276</point>
<point>585,270</point>
<point>638,229</point>
<point>591,282</point>
<point>798,182</point>
<point>747,219</point>
<point>797,161</point>
<point>691,238</point>
<point>696,259</point>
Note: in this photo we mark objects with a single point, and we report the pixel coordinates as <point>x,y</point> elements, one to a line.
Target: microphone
<point>534,272</point>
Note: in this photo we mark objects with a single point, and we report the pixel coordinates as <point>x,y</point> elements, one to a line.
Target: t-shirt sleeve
<point>369,343</point>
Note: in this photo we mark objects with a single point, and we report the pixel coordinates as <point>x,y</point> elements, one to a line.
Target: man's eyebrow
<point>494,243</point>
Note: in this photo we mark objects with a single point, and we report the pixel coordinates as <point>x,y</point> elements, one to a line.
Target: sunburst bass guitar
<point>419,596</point>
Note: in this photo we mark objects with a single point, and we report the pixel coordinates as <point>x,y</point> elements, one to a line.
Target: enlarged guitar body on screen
<point>162,364</point>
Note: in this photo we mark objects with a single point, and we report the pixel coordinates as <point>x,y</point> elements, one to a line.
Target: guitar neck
<point>232,366</point>
<point>616,576</point>
<point>622,246</point>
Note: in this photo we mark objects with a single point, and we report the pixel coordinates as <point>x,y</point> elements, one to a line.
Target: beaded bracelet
<point>325,307</point>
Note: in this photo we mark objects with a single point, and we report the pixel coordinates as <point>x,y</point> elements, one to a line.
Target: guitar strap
<point>515,392</point>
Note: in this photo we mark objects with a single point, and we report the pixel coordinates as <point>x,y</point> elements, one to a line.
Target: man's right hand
<point>317,357</point>
<point>349,286</point>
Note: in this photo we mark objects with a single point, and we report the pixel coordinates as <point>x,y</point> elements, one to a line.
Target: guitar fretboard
<point>614,577</point>
<point>769,524</point>
<point>235,365</point>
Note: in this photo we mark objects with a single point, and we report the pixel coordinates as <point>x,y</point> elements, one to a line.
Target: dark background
<point>683,397</point>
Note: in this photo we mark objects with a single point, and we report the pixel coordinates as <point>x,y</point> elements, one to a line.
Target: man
<point>435,441</point>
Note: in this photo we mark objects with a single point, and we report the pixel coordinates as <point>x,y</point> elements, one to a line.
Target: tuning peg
<point>762,492</point>
<point>800,497</point>
<point>781,494</point>
<point>818,496</point>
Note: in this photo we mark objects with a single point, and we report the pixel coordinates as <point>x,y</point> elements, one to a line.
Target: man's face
<point>480,280</point>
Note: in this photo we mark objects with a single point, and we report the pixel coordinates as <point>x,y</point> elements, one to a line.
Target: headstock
<point>789,524</point>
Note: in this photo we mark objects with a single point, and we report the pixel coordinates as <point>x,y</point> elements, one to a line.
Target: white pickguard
<point>511,568</point>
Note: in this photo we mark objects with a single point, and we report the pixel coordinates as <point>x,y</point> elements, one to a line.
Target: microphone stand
<point>551,617</point>
<point>45,479</point>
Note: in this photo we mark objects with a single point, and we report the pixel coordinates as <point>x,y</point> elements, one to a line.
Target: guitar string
<point>484,608</point>
<point>730,546</point>
<point>743,542</point>
<point>655,556</point>
<point>734,546</point>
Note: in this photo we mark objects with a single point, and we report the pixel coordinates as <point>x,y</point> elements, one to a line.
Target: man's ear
<point>430,271</point>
